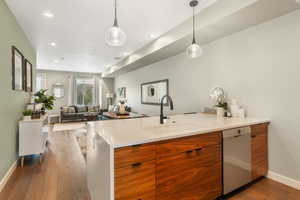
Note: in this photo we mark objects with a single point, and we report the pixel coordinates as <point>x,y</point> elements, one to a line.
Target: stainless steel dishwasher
<point>236,158</point>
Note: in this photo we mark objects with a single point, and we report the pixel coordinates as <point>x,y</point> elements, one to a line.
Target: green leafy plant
<point>46,100</point>
<point>223,105</point>
<point>27,112</point>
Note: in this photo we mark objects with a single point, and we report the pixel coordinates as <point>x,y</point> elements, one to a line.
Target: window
<point>85,91</point>
<point>40,81</point>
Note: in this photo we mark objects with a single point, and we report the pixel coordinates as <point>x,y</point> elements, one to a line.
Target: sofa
<point>79,113</point>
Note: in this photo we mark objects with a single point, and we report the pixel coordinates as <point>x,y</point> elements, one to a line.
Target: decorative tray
<point>122,114</point>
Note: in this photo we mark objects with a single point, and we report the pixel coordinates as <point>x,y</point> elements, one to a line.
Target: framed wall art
<point>152,92</point>
<point>17,69</point>
<point>122,92</point>
<point>28,76</point>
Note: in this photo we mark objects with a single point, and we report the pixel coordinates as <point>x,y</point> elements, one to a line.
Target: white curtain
<point>97,94</point>
<point>71,90</point>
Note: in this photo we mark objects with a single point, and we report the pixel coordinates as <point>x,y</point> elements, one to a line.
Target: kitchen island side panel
<point>100,170</point>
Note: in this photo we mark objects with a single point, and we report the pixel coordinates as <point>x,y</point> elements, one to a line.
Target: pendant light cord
<point>116,20</point>
<point>194,39</point>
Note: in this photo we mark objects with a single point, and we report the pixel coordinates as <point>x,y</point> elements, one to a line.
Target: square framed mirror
<point>152,92</point>
<point>58,90</point>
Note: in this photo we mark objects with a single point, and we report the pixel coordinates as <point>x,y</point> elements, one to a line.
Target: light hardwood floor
<point>61,176</point>
<point>266,189</point>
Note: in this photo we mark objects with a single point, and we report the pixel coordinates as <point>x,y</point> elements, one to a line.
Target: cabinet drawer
<point>259,129</point>
<point>135,182</point>
<point>191,175</point>
<point>127,156</point>
<point>135,168</point>
<point>180,145</point>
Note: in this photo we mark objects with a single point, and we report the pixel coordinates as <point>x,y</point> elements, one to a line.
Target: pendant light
<point>115,36</point>
<point>194,50</point>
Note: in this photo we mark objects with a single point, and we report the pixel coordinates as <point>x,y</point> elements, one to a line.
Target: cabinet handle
<point>253,136</point>
<point>189,152</point>
<point>136,145</point>
<point>136,165</point>
<point>199,149</point>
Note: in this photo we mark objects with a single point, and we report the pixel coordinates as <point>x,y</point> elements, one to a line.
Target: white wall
<point>188,84</point>
<point>107,86</point>
<point>259,66</point>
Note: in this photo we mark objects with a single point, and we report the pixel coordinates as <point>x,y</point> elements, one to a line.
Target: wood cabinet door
<point>135,182</point>
<point>192,175</point>
<point>259,151</point>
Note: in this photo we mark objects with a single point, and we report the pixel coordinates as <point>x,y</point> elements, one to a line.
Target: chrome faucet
<point>162,117</point>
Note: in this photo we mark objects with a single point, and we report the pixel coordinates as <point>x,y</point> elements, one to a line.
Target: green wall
<point>11,102</point>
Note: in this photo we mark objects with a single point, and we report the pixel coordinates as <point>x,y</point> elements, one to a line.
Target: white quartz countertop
<point>127,132</point>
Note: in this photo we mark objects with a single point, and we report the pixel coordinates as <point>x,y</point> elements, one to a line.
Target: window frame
<point>94,90</point>
<point>43,83</point>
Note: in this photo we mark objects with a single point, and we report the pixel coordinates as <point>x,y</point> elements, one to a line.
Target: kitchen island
<point>140,159</point>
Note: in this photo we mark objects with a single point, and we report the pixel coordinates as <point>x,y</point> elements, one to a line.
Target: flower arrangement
<point>218,95</point>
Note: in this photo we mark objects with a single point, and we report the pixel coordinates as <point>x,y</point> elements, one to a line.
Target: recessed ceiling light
<point>126,54</point>
<point>53,44</point>
<point>56,61</point>
<point>298,1</point>
<point>152,36</point>
<point>48,14</point>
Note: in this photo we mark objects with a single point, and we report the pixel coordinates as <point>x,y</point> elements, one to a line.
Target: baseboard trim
<point>8,175</point>
<point>284,180</point>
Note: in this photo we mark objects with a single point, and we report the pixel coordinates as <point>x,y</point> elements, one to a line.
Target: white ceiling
<point>218,21</point>
<point>78,28</point>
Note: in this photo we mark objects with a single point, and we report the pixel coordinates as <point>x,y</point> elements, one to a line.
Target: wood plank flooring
<point>266,189</point>
<point>61,176</point>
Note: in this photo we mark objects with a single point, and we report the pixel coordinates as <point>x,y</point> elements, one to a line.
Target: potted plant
<point>221,108</point>
<point>218,95</point>
<point>27,114</point>
<point>46,100</point>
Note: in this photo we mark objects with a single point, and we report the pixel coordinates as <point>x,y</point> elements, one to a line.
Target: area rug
<point>68,126</point>
<point>78,129</point>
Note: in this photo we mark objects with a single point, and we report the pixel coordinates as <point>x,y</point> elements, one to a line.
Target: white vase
<point>122,109</point>
<point>241,113</point>
<point>26,118</point>
<point>220,112</point>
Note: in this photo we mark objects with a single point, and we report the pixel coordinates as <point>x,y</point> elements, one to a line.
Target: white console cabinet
<point>33,136</point>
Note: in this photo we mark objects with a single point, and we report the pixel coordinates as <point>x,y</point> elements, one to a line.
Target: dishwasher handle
<point>237,132</point>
